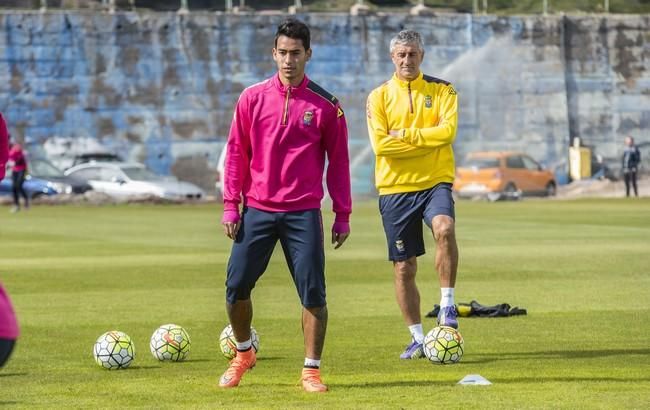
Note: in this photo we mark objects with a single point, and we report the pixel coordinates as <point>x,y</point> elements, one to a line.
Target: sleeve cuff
<point>342,217</point>
<point>230,216</point>
<point>406,135</point>
<point>341,227</point>
<point>230,206</point>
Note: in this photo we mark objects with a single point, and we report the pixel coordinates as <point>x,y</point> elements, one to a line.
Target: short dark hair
<point>295,29</point>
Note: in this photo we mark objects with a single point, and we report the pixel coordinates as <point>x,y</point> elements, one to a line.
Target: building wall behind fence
<point>160,87</point>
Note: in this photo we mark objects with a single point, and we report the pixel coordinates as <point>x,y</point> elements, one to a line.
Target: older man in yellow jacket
<point>412,121</point>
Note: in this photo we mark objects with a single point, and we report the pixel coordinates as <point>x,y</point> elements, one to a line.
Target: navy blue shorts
<point>6,346</point>
<point>301,236</point>
<point>402,214</point>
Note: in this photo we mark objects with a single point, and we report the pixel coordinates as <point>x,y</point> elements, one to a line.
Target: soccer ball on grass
<point>443,345</point>
<point>114,350</point>
<point>170,343</point>
<point>228,344</point>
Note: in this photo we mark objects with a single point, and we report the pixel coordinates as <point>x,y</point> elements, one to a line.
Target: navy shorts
<point>301,236</point>
<point>6,346</point>
<point>402,214</point>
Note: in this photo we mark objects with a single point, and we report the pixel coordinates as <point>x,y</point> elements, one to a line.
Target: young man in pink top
<point>282,131</point>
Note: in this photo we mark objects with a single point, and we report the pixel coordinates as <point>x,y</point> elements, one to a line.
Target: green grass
<point>581,268</point>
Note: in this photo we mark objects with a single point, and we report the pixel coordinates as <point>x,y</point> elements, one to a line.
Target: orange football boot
<point>312,382</point>
<point>238,366</point>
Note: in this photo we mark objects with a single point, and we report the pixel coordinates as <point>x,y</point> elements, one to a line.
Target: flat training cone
<point>474,380</point>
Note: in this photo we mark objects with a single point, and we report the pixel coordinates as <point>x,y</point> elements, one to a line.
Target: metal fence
<point>472,6</point>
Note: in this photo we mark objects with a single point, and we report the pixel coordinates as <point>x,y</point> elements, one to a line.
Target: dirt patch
<point>600,189</point>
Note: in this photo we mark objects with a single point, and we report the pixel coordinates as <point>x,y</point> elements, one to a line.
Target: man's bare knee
<point>405,270</point>
<point>443,228</point>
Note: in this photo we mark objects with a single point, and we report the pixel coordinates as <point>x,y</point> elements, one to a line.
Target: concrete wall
<point>160,87</point>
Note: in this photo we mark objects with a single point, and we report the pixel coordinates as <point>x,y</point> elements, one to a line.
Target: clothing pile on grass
<point>475,309</point>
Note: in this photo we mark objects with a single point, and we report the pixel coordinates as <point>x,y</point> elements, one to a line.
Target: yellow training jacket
<point>424,111</point>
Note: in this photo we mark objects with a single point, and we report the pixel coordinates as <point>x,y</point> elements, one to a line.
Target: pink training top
<point>17,155</point>
<point>279,138</point>
<point>4,146</point>
<point>8,324</point>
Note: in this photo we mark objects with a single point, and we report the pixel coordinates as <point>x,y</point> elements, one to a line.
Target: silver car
<point>130,179</point>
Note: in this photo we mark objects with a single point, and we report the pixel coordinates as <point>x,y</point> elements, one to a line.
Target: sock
<point>417,333</point>
<point>244,346</point>
<point>312,363</point>
<point>447,297</point>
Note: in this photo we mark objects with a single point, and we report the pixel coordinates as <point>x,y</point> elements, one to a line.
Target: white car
<point>130,179</point>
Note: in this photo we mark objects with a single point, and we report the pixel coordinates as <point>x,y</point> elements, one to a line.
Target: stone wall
<point>160,87</point>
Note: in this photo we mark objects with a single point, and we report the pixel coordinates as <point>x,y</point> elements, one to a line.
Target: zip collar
<point>283,89</point>
<point>405,84</point>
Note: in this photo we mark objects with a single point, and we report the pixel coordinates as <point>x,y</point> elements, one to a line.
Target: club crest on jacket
<point>307,117</point>
<point>427,101</point>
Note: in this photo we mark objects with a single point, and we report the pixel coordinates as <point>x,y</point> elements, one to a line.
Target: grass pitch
<point>581,268</point>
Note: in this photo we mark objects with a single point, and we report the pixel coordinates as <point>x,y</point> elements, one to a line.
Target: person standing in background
<point>4,146</point>
<point>631,160</point>
<point>18,163</point>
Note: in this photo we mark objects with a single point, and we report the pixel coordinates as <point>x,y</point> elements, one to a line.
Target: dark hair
<point>295,29</point>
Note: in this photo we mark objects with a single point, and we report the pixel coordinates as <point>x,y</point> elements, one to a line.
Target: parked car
<point>34,187</point>
<point>124,179</point>
<point>502,175</point>
<point>45,179</point>
<point>44,169</point>
<point>95,157</point>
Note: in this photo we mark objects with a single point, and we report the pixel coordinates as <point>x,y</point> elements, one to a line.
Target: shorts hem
<point>312,305</point>
<point>402,259</point>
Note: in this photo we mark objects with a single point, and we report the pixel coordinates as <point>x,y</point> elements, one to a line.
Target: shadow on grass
<point>270,358</point>
<point>400,383</point>
<point>565,379</point>
<point>552,355</point>
<point>7,403</point>
<point>143,367</point>
<point>165,363</point>
<point>189,361</point>
<point>259,359</point>
<point>13,374</point>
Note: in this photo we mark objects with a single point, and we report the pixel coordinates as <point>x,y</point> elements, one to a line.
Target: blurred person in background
<point>4,146</point>
<point>412,121</point>
<point>18,163</point>
<point>631,160</point>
